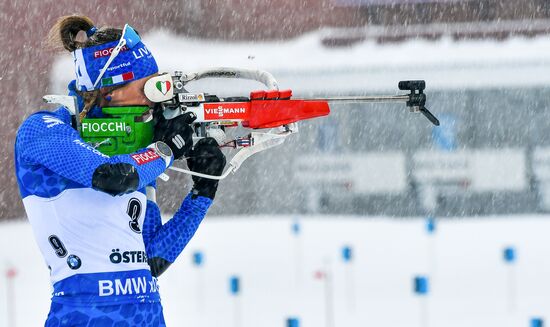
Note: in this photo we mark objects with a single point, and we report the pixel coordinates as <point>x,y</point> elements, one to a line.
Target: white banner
<point>478,170</point>
<point>371,173</point>
<point>487,170</point>
<point>541,163</point>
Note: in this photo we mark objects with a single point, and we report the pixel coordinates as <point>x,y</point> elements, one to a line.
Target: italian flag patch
<point>117,79</point>
<point>163,86</point>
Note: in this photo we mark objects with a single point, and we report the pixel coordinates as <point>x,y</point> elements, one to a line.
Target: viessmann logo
<point>225,110</point>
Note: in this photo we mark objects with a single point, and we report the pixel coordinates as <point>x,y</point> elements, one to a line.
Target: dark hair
<point>65,34</point>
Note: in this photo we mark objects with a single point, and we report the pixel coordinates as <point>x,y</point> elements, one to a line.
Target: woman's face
<point>130,94</point>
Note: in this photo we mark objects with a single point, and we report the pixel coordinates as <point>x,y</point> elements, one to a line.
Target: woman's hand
<point>176,133</point>
<point>206,158</point>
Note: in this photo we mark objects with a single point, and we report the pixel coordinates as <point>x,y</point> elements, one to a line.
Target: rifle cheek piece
<point>159,88</point>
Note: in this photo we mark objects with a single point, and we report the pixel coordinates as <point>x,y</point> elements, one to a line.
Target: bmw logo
<point>74,262</point>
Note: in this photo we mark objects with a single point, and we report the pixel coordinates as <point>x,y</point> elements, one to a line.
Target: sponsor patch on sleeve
<point>145,157</point>
<point>51,121</point>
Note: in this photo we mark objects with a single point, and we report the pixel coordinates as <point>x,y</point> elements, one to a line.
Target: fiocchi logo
<point>103,127</point>
<point>145,157</point>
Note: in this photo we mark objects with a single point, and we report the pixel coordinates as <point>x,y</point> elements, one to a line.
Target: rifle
<point>271,109</point>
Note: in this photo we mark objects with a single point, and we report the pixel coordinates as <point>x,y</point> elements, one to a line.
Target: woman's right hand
<point>176,133</point>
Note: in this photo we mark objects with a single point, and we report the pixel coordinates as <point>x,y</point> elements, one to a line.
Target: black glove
<point>176,133</point>
<point>206,158</point>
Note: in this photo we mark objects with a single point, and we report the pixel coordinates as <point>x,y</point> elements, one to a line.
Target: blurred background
<point>371,178</point>
<point>482,76</point>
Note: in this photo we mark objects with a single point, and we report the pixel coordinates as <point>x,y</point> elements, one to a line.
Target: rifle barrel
<point>381,98</point>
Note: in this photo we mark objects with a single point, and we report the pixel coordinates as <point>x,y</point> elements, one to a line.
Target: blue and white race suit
<point>96,245</point>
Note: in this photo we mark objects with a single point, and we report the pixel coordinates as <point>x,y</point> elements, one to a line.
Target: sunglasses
<point>130,39</point>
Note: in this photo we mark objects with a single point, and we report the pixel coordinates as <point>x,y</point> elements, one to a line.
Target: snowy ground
<point>470,283</point>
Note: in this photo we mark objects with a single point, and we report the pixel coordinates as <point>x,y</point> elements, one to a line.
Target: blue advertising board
<point>444,135</point>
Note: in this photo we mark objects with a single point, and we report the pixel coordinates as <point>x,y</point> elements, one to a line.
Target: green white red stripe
<point>117,79</point>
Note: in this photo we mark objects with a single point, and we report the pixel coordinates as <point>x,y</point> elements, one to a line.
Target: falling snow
<point>367,176</point>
